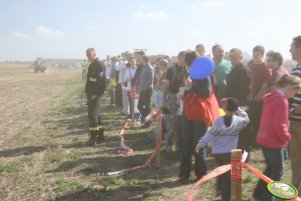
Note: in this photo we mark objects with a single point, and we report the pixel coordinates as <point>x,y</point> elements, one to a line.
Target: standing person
<point>273,134</point>
<point>127,83</point>
<point>239,86</point>
<point>295,119</point>
<point>138,56</point>
<point>145,89</point>
<point>274,62</point>
<point>239,80</point>
<point>108,66</point>
<point>200,49</point>
<point>175,76</point>
<point>222,69</point>
<point>121,94</point>
<point>160,84</point>
<point>223,137</point>
<point>95,87</point>
<point>111,75</point>
<point>193,129</point>
<point>261,73</point>
<point>85,65</point>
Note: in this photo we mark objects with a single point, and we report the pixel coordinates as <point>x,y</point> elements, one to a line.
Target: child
<point>223,137</point>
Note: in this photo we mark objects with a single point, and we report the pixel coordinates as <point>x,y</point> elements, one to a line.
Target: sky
<point>66,28</point>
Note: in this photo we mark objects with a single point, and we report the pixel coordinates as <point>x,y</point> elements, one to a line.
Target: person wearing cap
<point>94,89</point>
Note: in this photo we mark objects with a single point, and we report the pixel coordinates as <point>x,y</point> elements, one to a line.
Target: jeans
<point>192,131</point>
<point>144,103</point>
<point>274,159</point>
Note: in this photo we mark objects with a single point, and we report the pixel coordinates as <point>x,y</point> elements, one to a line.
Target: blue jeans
<point>144,103</point>
<point>274,159</point>
<point>192,131</point>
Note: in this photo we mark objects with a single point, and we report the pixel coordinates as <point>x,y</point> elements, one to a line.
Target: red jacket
<point>273,131</point>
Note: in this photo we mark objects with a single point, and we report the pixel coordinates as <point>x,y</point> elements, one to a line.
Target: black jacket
<point>239,84</point>
<point>96,79</point>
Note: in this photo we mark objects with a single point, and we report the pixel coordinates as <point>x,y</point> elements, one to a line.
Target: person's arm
<point>280,123</point>
<point>245,85</point>
<point>244,119</point>
<point>120,67</point>
<point>209,135</point>
<point>262,92</point>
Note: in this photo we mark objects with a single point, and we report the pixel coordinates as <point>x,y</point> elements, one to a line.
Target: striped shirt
<point>296,100</point>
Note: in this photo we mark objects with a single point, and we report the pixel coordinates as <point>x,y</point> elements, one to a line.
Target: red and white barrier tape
<point>237,176</point>
<point>126,148</point>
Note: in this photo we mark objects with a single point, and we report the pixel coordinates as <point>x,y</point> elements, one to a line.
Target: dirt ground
<point>43,129</point>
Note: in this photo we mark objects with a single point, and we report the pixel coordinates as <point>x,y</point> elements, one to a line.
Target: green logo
<point>282,190</point>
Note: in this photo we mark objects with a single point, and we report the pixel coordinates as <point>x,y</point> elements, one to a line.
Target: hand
<point>93,97</point>
<point>297,109</point>
<point>188,82</point>
<point>198,149</point>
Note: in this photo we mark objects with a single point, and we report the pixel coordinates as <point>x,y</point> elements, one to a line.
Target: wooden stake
<point>236,175</point>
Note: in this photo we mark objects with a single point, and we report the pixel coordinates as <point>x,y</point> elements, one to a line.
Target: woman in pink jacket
<point>273,133</point>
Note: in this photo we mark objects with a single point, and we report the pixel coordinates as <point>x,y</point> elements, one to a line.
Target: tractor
<point>39,66</point>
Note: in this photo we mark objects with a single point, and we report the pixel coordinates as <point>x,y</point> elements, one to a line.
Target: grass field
<point>43,129</point>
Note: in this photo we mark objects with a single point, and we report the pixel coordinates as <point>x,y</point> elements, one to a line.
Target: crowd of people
<point>261,100</point>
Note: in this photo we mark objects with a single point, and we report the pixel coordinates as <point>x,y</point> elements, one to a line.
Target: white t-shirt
<point>129,75</point>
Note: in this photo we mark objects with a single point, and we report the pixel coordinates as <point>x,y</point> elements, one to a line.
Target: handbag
<point>200,108</point>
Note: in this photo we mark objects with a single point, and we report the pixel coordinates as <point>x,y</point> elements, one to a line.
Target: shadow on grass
<point>21,151</point>
<point>131,192</point>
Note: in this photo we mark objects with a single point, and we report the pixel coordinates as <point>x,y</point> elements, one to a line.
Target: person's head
<point>274,60</point>
<point>190,56</point>
<point>290,85</point>
<point>163,64</point>
<point>108,57</point>
<point>200,49</point>
<point>235,56</point>
<point>145,59</point>
<point>132,61</point>
<point>91,55</point>
<point>258,53</point>
<point>114,59</point>
<point>138,56</point>
<point>229,105</point>
<point>181,59</point>
<point>218,52</point>
<point>296,49</point>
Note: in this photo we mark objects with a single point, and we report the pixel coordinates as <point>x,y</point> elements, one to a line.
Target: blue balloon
<point>201,68</point>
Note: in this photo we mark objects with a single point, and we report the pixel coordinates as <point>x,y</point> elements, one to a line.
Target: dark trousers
<point>94,118</point>
<point>223,184</point>
<point>118,95</point>
<point>93,112</point>
<point>244,135</point>
<point>274,159</point>
<point>192,131</point>
<point>144,103</point>
<point>255,116</point>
